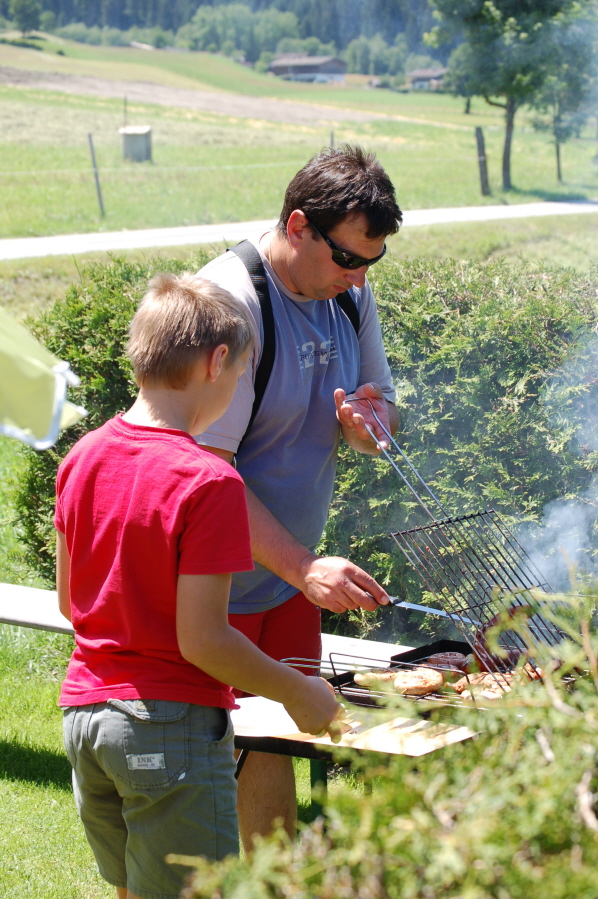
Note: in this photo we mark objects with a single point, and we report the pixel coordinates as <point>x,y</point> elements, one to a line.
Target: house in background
<point>426,79</point>
<point>299,67</point>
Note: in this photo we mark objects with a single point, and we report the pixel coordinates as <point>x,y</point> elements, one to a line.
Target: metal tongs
<point>353,399</point>
<point>395,601</point>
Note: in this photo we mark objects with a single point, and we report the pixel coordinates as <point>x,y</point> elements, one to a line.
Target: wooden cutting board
<point>378,730</point>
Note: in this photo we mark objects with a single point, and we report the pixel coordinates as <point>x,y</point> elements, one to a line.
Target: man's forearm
<point>327,581</point>
<point>273,546</point>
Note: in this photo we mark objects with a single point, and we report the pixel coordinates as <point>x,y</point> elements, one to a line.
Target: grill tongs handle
<point>403,460</point>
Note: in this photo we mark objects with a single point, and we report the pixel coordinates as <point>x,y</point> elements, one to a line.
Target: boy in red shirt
<point>149,528</point>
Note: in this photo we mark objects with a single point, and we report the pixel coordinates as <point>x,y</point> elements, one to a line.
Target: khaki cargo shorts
<point>152,777</point>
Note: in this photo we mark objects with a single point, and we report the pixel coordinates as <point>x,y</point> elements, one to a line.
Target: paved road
<point>106,241</point>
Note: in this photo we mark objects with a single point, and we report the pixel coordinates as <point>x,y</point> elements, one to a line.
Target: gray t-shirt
<point>289,456</point>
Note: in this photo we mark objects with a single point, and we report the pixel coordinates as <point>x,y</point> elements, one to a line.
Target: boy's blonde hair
<point>181,318</point>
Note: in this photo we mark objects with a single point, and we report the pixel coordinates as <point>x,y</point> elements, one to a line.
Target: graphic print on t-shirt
<point>310,354</point>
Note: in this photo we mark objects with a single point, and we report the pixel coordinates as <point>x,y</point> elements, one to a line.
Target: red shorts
<point>291,630</point>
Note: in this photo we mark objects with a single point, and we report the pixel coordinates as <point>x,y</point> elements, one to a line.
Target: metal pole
<point>96,174</point>
<point>332,140</point>
<point>318,770</point>
<point>479,135</point>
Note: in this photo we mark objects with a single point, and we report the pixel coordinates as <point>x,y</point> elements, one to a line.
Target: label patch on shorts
<point>150,761</point>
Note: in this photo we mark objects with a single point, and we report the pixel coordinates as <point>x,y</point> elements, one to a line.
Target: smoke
<point>565,542</point>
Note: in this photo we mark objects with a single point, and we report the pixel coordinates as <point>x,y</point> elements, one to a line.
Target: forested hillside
<point>337,21</point>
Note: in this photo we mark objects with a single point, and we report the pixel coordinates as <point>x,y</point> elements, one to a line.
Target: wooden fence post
<point>96,174</point>
<point>479,135</point>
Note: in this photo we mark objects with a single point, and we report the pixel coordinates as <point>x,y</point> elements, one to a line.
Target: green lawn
<point>209,168</point>
<point>42,846</point>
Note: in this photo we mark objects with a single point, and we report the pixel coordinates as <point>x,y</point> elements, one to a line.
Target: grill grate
<point>477,569</point>
<point>474,566</point>
<point>340,670</point>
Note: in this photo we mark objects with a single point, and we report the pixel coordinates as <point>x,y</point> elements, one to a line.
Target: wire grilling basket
<point>474,566</point>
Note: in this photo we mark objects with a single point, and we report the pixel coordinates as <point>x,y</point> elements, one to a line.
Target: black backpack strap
<point>347,304</point>
<point>252,261</point>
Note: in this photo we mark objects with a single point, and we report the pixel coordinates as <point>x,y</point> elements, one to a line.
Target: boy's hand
<point>315,709</point>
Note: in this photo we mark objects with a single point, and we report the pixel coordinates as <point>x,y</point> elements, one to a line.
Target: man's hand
<point>314,709</point>
<point>338,585</point>
<point>355,415</point>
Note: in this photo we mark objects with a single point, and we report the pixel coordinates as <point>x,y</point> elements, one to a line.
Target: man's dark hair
<point>339,182</point>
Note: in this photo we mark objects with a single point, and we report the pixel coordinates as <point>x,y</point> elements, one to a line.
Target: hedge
<point>494,368</point>
<point>510,814</point>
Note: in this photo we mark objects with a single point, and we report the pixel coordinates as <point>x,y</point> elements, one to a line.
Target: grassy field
<point>214,72</point>
<point>209,71</point>
<point>209,167</point>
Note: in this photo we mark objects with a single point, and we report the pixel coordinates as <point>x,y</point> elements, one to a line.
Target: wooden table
<point>32,607</point>
<point>264,726</point>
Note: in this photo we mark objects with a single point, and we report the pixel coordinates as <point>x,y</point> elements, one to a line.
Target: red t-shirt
<point>139,506</point>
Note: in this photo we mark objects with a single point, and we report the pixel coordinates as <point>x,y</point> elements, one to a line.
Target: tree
<point>47,21</point>
<point>373,56</point>
<point>458,80</point>
<point>510,47</point>
<point>568,85</point>
<point>26,13</point>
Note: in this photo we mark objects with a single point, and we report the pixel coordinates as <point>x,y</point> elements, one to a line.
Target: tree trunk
<point>467,109</point>
<point>511,109</point>
<point>559,172</point>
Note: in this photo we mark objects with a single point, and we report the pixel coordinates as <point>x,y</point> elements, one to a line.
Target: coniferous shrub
<point>89,329</point>
<point>487,414</point>
<point>494,369</point>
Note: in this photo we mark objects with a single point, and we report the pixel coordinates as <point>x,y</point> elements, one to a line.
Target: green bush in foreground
<point>89,329</point>
<point>510,814</point>
<point>487,414</point>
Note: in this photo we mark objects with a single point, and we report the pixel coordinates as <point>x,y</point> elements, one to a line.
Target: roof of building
<point>423,74</point>
<point>301,59</point>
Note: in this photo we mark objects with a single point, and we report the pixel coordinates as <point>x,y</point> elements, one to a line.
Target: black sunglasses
<point>341,257</point>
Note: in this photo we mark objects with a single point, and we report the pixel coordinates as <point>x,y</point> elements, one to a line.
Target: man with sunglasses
<point>337,212</point>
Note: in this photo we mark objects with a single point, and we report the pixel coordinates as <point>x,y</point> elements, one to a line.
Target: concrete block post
<point>137,142</point>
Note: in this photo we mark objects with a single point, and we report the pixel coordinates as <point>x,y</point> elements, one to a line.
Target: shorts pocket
<point>147,742</point>
<point>68,724</point>
<point>224,732</point>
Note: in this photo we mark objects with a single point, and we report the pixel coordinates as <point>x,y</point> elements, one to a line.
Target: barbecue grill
<point>475,567</point>
<point>478,572</point>
<point>340,670</point>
